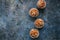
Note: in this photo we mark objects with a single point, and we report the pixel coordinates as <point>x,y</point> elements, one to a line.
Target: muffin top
<point>34,33</point>
<point>39,23</point>
<point>33,12</point>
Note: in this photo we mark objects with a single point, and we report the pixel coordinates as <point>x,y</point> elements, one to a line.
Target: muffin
<point>33,12</point>
<point>41,4</point>
<point>34,33</point>
<point>39,23</point>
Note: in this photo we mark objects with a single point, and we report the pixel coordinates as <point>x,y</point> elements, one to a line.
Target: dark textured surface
<point>15,22</point>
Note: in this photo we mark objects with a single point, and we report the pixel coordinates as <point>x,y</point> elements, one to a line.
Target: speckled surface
<point>15,22</point>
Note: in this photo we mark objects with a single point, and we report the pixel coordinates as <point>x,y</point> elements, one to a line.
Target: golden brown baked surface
<point>34,33</point>
<point>33,12</point>
<point>41,4</point>
<point>39,23</point>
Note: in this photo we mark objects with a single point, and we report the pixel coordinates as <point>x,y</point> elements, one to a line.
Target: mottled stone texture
<point>15,22</point>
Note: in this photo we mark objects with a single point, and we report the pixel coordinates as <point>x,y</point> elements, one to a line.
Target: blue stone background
<point>15,22</point>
